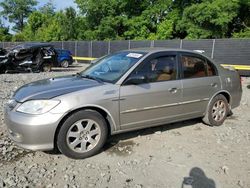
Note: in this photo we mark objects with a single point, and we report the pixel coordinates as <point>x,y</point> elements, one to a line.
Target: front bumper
<point>33,132</point>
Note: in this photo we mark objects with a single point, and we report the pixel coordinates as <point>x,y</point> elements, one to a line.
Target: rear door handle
<point>172,90</point>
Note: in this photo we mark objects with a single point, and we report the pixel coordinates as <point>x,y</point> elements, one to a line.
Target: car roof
<point>159,49</point>
<point>32,45</point>
<point>59,49</point>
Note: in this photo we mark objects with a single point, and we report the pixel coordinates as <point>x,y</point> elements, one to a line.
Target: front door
<point>155,101</point>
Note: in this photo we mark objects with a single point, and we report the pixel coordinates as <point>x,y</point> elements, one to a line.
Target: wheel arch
<point>104,113</point>
<point>62,59</point>
<point>225,93</point>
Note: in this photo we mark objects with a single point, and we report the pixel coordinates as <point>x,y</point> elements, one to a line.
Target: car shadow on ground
<point>123,137</point>
<point>116,142</point>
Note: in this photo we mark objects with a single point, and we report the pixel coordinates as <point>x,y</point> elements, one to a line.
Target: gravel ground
<point>184,154</point>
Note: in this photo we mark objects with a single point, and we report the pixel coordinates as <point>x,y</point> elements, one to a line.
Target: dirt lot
<point>185,154</point>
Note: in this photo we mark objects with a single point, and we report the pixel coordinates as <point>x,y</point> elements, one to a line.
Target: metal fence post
<point>212,54</point>
<point>76,50</point>
<point>181,44</point>
<point>152,44</point>
<point>62,45</point>
<point>109,47</point>
<point>129,44</point>
<point>91,48</point>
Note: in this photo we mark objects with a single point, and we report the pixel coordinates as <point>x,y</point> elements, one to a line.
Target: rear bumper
<point>70,61</point>
<point>236,98</point>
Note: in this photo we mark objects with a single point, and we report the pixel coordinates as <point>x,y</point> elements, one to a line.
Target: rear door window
<point>195,67</point>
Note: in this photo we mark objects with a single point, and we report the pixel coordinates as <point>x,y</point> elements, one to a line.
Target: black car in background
<point>3,52</point>
<point>29,57</point>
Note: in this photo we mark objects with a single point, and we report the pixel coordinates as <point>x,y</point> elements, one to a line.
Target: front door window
<point>158,69</point>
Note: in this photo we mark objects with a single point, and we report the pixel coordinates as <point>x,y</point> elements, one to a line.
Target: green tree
<point>241,24</point>
<point>81,28</point>
<point>166,28</point>
<point>35,21</point>
<point>245,33</point>
<point>208,19</point>
<point>16,11</point>
<point>4,33</point>
<point>48,8</point>
<point>152,20</point>
<point>69,24</point>
<point>139,19</point>
<point>123,19</point>
<point>104,18</point>
<point>62,25</point>
<point>51,29</point>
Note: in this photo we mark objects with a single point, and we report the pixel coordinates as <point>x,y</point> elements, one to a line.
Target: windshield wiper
<point>90,77</point>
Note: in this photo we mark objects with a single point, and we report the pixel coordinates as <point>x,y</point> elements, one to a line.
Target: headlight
<point>11,103</point>
<point>37,106</point>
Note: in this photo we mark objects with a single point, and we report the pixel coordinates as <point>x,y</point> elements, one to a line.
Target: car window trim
<point>189,54</point>
<point>153,56</point>
<point>208,62</point>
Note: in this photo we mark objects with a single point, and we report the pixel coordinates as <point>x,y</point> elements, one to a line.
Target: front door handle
<point>214,84</point>
<point>172,90</point>
<point>118,99</point>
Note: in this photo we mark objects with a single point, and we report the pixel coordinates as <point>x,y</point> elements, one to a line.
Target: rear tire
<point>217,112</point>
<point>65,64</point>
<point>82,135</point>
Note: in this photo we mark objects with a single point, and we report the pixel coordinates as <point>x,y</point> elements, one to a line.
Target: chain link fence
<point>226,51</point>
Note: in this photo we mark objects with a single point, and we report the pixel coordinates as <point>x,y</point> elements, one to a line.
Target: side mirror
<point>135,80</point>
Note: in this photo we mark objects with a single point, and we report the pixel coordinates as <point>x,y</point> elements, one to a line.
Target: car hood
<point>53,87</point>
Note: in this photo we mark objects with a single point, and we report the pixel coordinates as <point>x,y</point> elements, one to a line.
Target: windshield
<point>112,67</point>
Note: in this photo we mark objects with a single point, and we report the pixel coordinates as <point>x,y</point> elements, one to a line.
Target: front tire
<point>217,112</point>
<point>82,135</point>
<point>46,67</point>
<point>2,69</point>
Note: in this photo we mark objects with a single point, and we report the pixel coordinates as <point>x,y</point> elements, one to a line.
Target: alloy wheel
<point>219,110</point>
<point>83,135</point>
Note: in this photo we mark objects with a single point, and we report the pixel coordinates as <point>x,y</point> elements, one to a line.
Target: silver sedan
<point>124,91</point>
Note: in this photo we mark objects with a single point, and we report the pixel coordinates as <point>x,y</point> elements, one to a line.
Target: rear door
<point>200,82</point>
<point>155,101</point>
